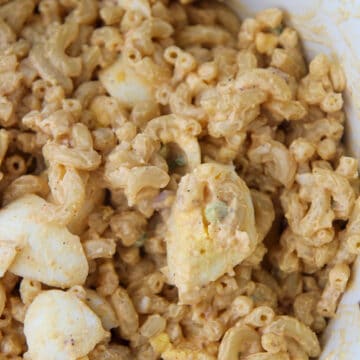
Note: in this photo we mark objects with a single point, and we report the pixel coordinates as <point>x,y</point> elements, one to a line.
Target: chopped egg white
<point>123,83</point>
<point>44,251</point>
<point>59,326</point>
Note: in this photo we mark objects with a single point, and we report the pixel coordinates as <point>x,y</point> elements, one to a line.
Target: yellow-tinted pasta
<point>155,155</point>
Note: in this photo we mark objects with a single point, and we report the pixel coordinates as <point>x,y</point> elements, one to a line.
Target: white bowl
<point>331,27</point>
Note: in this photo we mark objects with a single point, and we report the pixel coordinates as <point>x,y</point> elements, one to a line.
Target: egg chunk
<point>59,326</point>
<point>211,228</point>
<point>38,249</point>
<point>122,82</point>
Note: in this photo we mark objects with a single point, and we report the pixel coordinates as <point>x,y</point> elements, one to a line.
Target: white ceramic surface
<point>332,27</point>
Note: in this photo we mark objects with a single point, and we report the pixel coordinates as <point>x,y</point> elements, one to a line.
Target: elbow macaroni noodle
<point>154,156</point>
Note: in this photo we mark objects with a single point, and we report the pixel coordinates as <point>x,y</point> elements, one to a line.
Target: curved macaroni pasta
<point>175,129</point>
<point>266,80</point>
<point>181,172</point>
<point>293,328</point>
